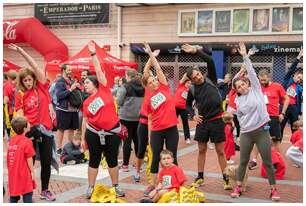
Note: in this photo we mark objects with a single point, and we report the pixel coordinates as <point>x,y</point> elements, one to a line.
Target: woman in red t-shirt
<point>34,103</point>
<point>180,98</point>
<point>162,120</point>
<point>100,126</point>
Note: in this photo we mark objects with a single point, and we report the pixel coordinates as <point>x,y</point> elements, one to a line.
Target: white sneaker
<point>71,162</point>
<point>230,162</point>
<point>188,141</point>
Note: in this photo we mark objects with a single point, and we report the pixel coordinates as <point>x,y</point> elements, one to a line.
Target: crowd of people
<point>141,110</point>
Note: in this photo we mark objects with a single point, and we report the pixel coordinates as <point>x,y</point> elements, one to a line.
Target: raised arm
<point>184,79</point>
<point>293,66</point>
<point>159,72</point>
<point>40,74</point>
<point>146,69</point>
<point>249,67</point>
<point>211,70</point>
<point>100,74</point>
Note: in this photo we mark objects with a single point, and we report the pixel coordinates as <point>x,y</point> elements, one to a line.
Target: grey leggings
<point>261,138</point>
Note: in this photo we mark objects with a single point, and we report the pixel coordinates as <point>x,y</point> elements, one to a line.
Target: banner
<point>64,14</point>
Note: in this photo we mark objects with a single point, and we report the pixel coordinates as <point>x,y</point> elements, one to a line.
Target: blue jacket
<point>62,93</point>
<point>288,81</point>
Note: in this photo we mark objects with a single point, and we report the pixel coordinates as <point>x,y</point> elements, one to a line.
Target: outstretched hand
<point>242,49</point>
<point>14,47</point>
<point>91,47</point>
<point>252,51</point>
<point>189,49</point>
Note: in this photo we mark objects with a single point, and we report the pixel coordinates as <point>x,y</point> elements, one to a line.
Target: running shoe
<point>47,195</point>
<point>149,189</point>
<point>252,165</point>
<point>119,191</point>
<point>274,195</point>
<point>236,192</point>
<point>89,192</point>
<point>199,181</point>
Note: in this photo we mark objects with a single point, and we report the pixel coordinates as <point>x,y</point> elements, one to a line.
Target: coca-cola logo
<point>10,32</point>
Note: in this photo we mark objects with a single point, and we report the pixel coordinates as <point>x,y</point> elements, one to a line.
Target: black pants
<point>169,136</point>
<point>292,115</point>
<point>184,116</point>
<point>127,144</point>
<point>76,158</point>
<point>45,153</point>
<point>236,122</point>
<point>27,198</point>
<point>110,150</point>
<point>143,139</point>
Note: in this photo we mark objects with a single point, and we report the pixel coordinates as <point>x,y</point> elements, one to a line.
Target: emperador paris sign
<point>65,14</point>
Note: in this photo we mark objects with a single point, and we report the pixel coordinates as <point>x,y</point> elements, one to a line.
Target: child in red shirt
<point>278,163</point>
<point>298,133</point>
<point>170,177</point>
<point>20,163</point>
<point>295,152</point>
<point>229,145</point>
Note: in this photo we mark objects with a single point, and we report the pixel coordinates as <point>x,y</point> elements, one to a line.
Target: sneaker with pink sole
<point>47,195</point>
<point>274,195</point>
<point>125,168</point>
<point>236,192</point>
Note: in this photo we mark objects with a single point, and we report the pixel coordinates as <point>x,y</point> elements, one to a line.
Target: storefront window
<point>241,21</point>
<point>297,19</point>
<point>280,20</point>
<point>261,20</point>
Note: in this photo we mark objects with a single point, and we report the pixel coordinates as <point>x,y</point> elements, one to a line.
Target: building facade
<point>274,29</point>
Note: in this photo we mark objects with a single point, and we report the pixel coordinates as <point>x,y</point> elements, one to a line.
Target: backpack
<point>76,98</point>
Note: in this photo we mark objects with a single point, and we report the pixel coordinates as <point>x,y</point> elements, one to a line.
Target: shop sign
<point>65,14</point>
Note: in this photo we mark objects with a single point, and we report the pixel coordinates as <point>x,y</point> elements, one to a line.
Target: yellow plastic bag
<point>185,195</point>
<point>190,195</point>
<point>148,167</point>
<point>103,194</point>
<point>7,117</point>
<point>169,197</point>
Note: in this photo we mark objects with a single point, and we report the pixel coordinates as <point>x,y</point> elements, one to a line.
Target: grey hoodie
<point>129,99</point>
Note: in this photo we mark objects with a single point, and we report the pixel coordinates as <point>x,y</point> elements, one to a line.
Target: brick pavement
<point>72,190</point>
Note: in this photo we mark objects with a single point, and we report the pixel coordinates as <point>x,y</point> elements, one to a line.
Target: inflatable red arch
<point>33,32</point>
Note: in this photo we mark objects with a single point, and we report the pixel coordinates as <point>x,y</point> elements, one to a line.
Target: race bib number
<point>157,100</point>
<point>266,99</point>
<point>184,94</point>
<point>291,92</point>
<point>95,105</point>
<point>166,183</point>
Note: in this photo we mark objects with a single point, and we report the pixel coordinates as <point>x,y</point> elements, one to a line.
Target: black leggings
<point>236,122</point>
<point>142,132</point>
<point>184,116</point>
<point>110,150</point>
<point>171,137</point>
<point>127,144</point>
<point>27,198</point>
<point>45,153</point>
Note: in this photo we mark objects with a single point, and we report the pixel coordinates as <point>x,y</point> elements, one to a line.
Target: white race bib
<point>266,99</point>
<point>157,100</point>
<point>166,182</point>
<point>95,105</point>
<point>291,92</point>
<point>184,94</point>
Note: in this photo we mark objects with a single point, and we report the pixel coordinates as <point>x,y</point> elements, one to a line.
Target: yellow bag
<point>7,117</point>
<point>169,197</point>
<point>148,167</point>
<point>190,195</point>
<point>185,195</point>
<point>102,194</point>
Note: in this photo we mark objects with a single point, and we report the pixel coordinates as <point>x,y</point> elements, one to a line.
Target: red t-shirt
<point>172,177</point>
<point>8,91</point>
<point>144,108</point>
<point>296,136</point>
<point>100,109</point>
<point>299,144</point>
<point>35,105</point>
<point>162,108</point>
<point>229,145</point>
<point>280,168</point>
<point>291,92</point>
<point>273,93</point>
<point>180,96</point>
<point>19,174</point>
<point>231,99</point>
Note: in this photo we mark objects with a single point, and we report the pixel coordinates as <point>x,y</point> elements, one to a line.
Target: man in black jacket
<point>208,102</point>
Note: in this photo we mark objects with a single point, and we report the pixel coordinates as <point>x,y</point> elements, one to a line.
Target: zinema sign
<point>64,14</point>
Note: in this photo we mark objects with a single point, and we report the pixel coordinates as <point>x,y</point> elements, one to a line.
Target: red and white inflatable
<point>7,65</point>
